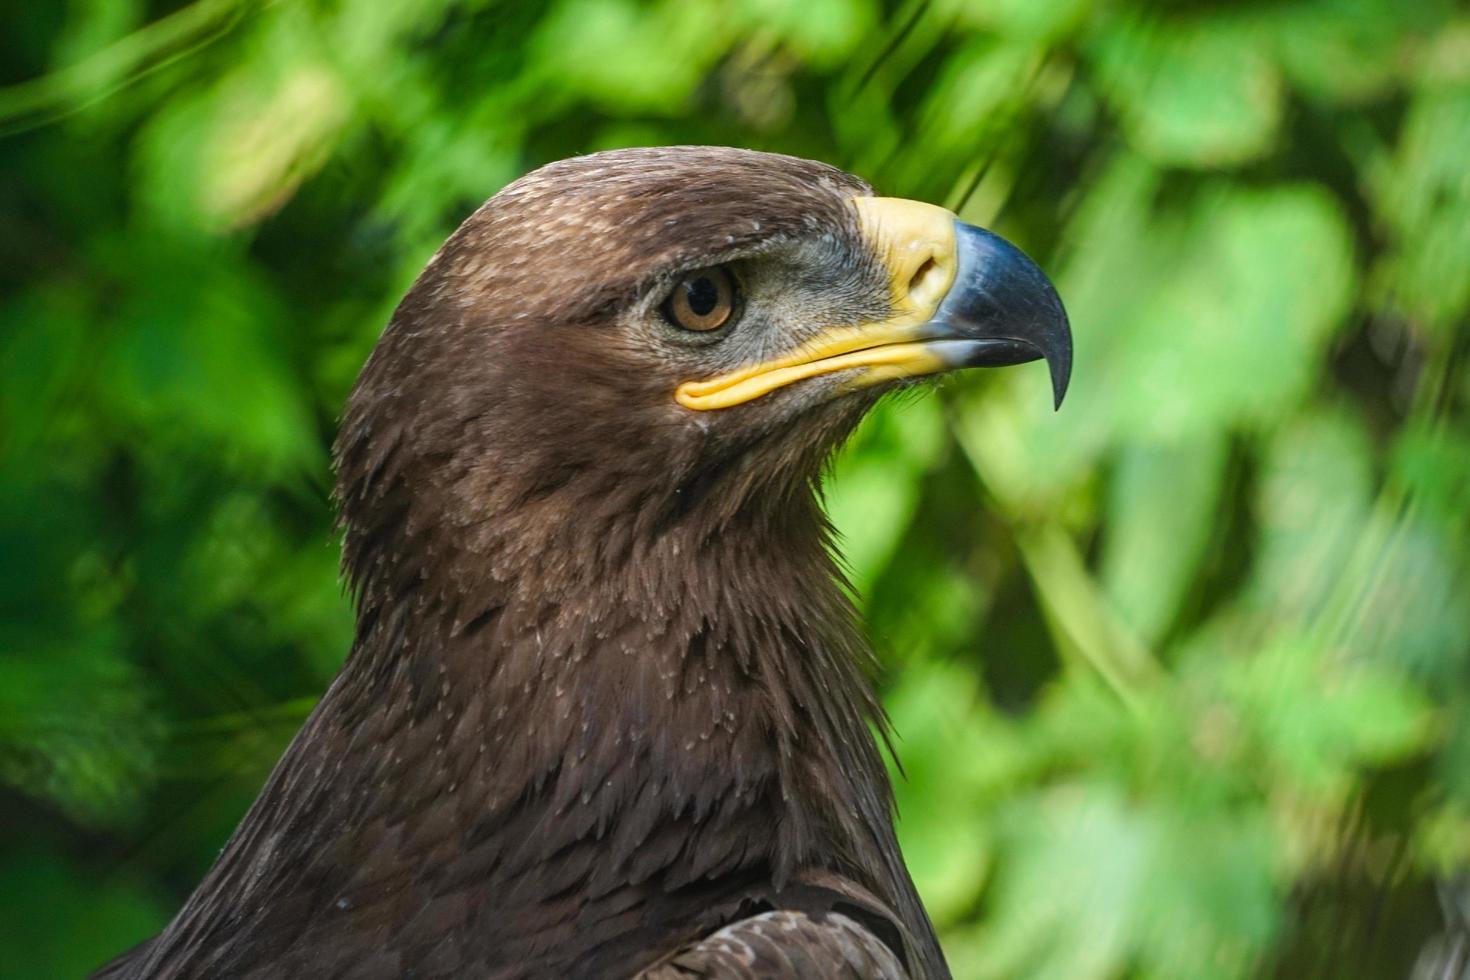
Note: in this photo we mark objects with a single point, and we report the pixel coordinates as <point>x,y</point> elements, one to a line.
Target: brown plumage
<point>607,708</point>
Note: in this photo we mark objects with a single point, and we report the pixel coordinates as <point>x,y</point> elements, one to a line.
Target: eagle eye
<point>702,300</point>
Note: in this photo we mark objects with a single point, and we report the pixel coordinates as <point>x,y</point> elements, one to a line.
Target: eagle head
<point>615,338</point>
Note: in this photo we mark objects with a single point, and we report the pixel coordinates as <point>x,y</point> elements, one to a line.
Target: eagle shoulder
<point>784,944</point>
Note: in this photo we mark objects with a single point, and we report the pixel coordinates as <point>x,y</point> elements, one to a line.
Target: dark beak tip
<point>1000,294</point>
<point>1059,363</point>
<point>1052,334</point>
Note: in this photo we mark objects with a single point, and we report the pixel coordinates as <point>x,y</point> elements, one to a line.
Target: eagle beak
<point>961,297</point>
<point>1002,310</point>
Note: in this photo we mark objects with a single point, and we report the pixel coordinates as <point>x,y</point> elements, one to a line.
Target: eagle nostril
<point>926,282</point>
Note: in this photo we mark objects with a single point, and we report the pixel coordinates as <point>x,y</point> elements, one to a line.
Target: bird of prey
<point>608,711</point>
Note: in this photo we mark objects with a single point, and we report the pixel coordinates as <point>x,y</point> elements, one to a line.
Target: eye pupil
<point>704,296</point>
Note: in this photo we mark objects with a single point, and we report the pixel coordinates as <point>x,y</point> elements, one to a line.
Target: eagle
<point>608,710</point>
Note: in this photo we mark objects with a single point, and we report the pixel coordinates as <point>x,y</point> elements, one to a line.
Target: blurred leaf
<point>1434,464</point>
<point>1317,720</point>
<point>241,147</point>
<point>1410,610</point>
<point>454,160</point>
<point>1343,50</point>
<point>975,96</point>
<point>1396,601</point>
<point>874,487</point>
<point>1454,761</point>
<point>43,338</point>
<point>262,149</point>
<point>1262,282</point>
<point>820,32</point>
<point>1443,838</point>
<point>1422,196</point>
<point>1441,61</point>
<point>196,356</point>
<point>75,727</point>
<point>631,57</point>
<point>1099,883</point>
<point>1192,93</point>
<point>951,753</point>
<point>1313,501</point>
<point>1159,518</point>
<point>55,918</point>
<point>92,25</point>
<point>1020,19</point>
<point>1034,454</point>
<point>370,35</point>
<point>240,560</point>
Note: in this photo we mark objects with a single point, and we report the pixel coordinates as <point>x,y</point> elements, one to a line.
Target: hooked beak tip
<point>1005,307</point>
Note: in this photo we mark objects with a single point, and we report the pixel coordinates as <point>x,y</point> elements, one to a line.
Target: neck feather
<point>724,660</point>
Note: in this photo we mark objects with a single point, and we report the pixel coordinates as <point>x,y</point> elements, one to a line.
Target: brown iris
<point>702,300</point>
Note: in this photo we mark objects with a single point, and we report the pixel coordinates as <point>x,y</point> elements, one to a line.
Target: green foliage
<point>1179,673</point>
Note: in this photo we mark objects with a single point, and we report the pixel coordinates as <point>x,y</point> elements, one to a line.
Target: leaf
<point>43,343</point>
<point>1343,51</point>
<point>1092,884</point>
<point>1162,499</point>
<point>1411,609</point>
<point>1069,891</point>
<point>228,155</point>
<point>873,489</point>
<point>630,57</point>
<point>1421,194</point>
<point>1442,839</point>
<point>1191,93</point>
<point>60,920</point>
<point>1433,463</point>
<point>239,560</point>
<point>75,727</point>
<point>954,753</point>
<point>820,32</point>
<point>1312,503</point>
<point>197,360</point>
<point>1454,761</point>
<point>1317,719</point>
<point>981,86</point>
<point>1020,19</point>
<point>91,25</point>
<point>1262,282</point>
<point>262,148</point>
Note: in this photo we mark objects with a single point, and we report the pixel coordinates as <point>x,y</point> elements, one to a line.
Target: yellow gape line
<point>916,244</point>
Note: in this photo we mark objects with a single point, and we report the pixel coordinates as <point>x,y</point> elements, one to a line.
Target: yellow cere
<point>916,243</point>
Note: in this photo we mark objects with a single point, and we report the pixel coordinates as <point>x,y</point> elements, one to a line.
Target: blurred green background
<point>1181,673</point>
